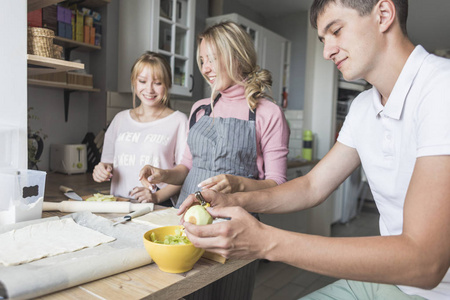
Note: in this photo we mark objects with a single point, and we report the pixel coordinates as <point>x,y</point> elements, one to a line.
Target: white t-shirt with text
<point>129,145</point>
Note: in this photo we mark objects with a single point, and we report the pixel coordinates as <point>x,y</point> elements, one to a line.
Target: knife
<point>134,214</point>
<point>69,193</point>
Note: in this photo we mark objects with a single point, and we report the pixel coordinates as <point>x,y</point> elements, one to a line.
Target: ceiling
<point>428,23</point>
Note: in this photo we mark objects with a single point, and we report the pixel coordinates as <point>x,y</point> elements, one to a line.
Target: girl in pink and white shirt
<point>151,133</point>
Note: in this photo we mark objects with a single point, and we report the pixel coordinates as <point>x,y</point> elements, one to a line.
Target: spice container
<point>21,195</point>
<point>307,145</point>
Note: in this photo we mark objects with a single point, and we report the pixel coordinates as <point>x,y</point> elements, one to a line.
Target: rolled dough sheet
<point>59,272</point>
<point>47,239</point>
<point>159,218</point>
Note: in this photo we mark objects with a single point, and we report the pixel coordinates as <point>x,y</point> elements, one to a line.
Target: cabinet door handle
<point>192,87</point>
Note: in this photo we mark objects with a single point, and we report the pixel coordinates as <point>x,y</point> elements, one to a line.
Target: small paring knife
<point>134,214</point>
<point>69,193</point>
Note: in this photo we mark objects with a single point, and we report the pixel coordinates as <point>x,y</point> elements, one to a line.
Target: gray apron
<point>219,146</point>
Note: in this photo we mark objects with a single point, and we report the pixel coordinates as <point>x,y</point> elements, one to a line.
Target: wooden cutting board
<point>117,198</point>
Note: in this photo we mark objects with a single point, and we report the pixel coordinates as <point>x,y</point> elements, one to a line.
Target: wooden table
<point>147,282</point>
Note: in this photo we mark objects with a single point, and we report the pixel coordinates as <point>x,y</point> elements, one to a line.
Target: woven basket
<point>57,51</point>
<point>40,41</point>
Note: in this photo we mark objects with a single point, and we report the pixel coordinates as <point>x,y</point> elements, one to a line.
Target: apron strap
<point>207,109</point>
<point>252,115</point>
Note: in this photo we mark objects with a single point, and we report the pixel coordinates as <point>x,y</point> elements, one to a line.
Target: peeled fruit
<point>198,215</point>
<point>101,197</point>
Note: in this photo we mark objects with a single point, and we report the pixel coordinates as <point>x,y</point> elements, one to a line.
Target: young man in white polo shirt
<point>400,132</point>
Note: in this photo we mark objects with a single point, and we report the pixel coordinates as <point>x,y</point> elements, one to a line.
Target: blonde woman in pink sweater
<point>238,138</point>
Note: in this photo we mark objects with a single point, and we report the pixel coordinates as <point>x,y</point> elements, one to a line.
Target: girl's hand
<point>150,175</point>
<point>102,172</point>
<point>223,183</point>
<point>143,195</point>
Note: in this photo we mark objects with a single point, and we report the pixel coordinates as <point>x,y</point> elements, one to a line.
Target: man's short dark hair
<point>364,7</point>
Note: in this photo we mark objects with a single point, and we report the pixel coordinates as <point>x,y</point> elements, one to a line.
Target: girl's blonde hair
<point>233,46</point>
<point>160,69</point>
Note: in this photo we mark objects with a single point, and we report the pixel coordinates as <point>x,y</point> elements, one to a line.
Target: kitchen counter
<point>82,184</point>
<point>301,163</point>
<point>146,282</point>
<point>149,282</point>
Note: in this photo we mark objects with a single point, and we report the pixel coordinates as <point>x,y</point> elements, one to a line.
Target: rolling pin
<point>95,207</point>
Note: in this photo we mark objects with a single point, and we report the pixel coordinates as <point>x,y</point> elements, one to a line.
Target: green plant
<point>35,141</point>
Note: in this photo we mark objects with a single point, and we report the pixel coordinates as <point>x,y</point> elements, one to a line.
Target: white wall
<point>48,106</point>
<point>13,83</point>
<point>292,27</point>
<point>233,6</point>
<point>320,95</point>
<point>319,116</point>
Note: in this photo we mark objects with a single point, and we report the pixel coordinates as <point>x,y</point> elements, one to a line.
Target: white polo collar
<point>394,106</point>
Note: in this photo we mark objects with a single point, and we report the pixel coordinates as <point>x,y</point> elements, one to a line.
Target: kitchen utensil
<point>200,198</point>
<point>69,193</point>
<point>95,207</point>
<point>135,214</point>
<point>171,258</point>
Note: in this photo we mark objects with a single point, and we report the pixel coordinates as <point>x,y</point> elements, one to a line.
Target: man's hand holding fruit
<point>243,236</point>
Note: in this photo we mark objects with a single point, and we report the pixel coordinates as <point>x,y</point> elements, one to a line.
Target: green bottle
<point>307,144</point>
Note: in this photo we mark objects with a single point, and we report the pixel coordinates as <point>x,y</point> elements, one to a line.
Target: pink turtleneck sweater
<point>272,131</point>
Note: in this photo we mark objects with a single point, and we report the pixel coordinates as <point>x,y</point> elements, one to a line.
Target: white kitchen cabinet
<point>163,26</point>
<point>346,196</point>
<point>294,221</point>
<point>272,49</point>
<point>305,221</point>
<point>293,173</point>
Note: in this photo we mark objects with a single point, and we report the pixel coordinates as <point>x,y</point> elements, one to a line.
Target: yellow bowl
<point>171,258</point>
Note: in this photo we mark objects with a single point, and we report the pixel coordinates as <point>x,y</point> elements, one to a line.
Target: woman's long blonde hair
<point>160,69</point>
<point>231,44</point>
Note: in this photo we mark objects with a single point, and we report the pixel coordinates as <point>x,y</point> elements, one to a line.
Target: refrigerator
<point>347,194</point>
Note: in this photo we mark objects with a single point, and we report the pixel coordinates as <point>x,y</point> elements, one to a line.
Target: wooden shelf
<point>61,85</point>
<point>43,65</point>
<point>92,3</point>
<point>36,4</point>
<point>68,43</point>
